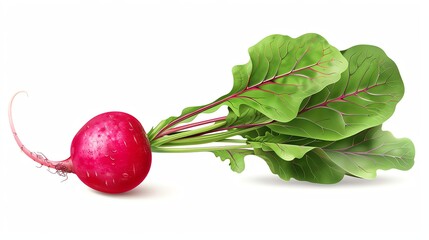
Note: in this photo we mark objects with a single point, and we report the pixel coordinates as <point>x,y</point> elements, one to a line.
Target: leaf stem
<point>215,137</point>
<point>242,126</point>
<point>233,140</point>
<point>199,149</point>
<point>160,141</point>
<point>174,143</point>
<point>191,114</point>
<point>191,125</point>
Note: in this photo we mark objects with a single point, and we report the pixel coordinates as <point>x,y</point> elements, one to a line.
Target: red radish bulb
<point>110,153</point>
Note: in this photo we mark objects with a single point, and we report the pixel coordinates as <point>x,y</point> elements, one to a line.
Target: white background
<point>77,59</point>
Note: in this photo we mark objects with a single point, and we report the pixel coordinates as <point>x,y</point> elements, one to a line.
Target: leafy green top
<point>309,111</point>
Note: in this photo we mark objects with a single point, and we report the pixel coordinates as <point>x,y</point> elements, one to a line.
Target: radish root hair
<point>61,167</point>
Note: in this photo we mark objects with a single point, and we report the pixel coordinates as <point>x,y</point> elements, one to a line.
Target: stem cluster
<point>182,138</point>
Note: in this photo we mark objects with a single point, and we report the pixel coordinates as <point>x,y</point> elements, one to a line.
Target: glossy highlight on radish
<point>110,153</point>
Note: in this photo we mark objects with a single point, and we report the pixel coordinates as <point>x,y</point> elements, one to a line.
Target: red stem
<point>237,126</point>
<point>191,114</point>
<point>241,126</point>
<point>196,124</point>
<point>64,166</point>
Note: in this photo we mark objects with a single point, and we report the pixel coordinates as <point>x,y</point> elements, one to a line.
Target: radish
<point>110,153</point>
<point>310,111</point>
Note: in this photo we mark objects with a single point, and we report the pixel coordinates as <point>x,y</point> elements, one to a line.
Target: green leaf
<point>248,116</point>
<point>364,97</point>
<point>368,151</point>
<point>235,156</point>
<point>265,134</point>
<point>286,152</point>
<point>360,155</point>
<point>282,72</point>
<point>311,167</point>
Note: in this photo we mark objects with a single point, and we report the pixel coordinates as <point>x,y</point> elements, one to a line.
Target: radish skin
<point>110,153</point>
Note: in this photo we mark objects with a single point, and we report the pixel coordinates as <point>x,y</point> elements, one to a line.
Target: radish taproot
<point>110,153</point>
<point>310,111</point>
